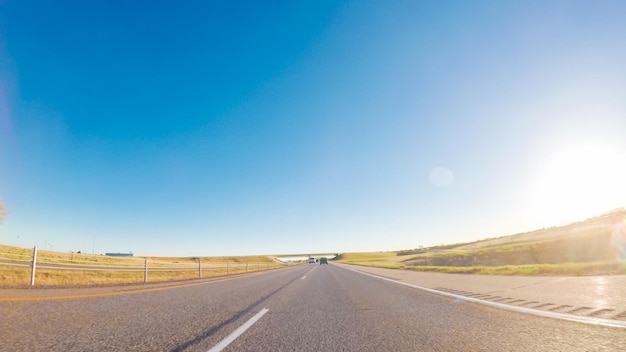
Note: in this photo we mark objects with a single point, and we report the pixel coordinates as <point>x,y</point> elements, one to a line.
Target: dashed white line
<point>240,330</point>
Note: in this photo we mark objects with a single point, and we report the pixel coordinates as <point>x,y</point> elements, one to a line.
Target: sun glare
<point>580,182</point>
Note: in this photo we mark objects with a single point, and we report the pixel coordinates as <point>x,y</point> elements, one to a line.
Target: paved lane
<point>336,309</point>
<point>309,308</point>
<point>601,296</point>
<point>193,318</point>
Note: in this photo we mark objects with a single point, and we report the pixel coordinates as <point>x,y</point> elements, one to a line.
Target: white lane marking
<point>541,313</point>
<point>240,330</point>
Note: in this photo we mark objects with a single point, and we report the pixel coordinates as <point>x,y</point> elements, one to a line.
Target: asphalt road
<point>587,296</point>
<point>304,308</point>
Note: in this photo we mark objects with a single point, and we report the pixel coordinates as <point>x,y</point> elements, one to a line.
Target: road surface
<point>588,296</point>
<point>304,308</point>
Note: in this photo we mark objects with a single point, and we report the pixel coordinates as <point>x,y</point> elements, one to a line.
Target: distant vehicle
<point>311,260</point>
<point>323,260</point>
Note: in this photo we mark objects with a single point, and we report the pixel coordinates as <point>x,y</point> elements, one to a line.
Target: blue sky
<point>234,128</point>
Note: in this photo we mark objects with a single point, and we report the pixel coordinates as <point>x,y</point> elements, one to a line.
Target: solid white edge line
<point>541,313</point>
<point>240,330</point>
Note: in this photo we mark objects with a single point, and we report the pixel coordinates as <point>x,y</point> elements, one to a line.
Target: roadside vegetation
<point>159,268</point>
<point>592,247</point>
<point>51,257</point>
<point>596,246</point>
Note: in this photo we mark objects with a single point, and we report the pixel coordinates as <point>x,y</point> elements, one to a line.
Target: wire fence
<point>61,273</point>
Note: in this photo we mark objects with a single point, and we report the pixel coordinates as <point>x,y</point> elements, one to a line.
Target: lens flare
<point>579,181</point>
<point>441,177</point>
<point>619,240</point>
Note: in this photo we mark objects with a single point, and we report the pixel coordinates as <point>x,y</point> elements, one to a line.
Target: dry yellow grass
<point>16,253</point>
<point>378,259</point>
<point>12,276</point>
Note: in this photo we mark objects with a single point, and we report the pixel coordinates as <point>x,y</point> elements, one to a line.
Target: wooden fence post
<point>33,267</point>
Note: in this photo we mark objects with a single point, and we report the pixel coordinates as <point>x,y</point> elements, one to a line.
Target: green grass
<point>584,248</point>
<point>565,269</point>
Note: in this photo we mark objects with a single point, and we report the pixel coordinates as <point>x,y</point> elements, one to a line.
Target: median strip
<point>240,330</point>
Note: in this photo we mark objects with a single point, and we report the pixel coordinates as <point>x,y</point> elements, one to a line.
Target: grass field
<point>11,276</point>
<point>568,269</point>
<point>596,246</point>
<point>592,247</point>
<point>43,256</point>
<point>14,276</point>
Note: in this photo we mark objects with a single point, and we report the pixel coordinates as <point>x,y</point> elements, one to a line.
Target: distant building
<point>119,254</point>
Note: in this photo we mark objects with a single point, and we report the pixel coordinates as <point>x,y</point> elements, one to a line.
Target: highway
<point>303,308</point>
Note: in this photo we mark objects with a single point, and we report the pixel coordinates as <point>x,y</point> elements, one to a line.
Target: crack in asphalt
<point>183,346</point>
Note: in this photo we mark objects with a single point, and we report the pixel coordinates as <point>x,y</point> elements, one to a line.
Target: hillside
<point>596,245</point>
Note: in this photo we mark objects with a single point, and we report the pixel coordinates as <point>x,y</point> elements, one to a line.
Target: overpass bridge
<point>286,258</point>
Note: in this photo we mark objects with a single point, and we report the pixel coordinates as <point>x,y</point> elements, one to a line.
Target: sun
<point>579,182</point>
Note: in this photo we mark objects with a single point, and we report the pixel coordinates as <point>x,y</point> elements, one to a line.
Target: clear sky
<point>272,127</point>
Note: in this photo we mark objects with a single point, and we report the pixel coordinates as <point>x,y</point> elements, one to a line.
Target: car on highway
<point>323,260</point>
